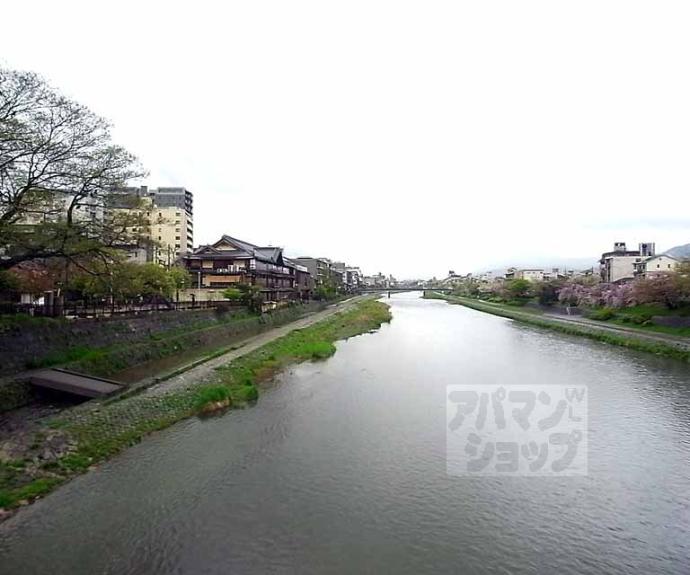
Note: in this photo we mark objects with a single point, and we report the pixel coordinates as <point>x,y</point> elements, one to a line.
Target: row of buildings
<point>160,226</point>
<point>529,274</point>
<point>230,261</point>
<point>169,240</point>
<point>618,265</point>
<point>161,219</point>
<point>623,264</point>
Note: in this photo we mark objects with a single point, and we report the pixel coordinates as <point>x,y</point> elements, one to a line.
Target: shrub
<point>637,319</point>
<point>603,314</point>
<point>210,394</point>
<point>245,393</point>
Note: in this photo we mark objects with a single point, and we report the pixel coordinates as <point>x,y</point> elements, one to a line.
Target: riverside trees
<point>58,167</point>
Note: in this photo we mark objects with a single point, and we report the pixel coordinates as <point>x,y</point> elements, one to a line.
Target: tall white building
<point>172,225</point>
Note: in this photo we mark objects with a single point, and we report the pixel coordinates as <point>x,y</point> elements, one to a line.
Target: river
<point>341,468</point>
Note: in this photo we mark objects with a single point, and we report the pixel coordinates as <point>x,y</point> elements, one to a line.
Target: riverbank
<point>79,438</point>
<point>130,349</point>
<point>658,344</point>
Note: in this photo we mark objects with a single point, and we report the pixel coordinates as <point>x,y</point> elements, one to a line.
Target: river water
<point>341,468</point>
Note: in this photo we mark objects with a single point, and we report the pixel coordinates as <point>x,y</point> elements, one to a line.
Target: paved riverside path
<point>677,341</point>
<point>201,372</point>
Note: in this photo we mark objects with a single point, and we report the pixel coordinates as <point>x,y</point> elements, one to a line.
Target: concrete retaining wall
<point>23,346</point>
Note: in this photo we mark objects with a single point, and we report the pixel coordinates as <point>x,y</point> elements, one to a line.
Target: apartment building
<point>656,265</point>
<point>620,264</point>
<point>133,206</point>
<point>339,275</point>
<point>304,282</point>
<point>172,226</point>
<point>354,277</point>
<point>530,274</point>
<point>319,268</point>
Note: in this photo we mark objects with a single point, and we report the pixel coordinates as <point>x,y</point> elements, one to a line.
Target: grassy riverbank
<point>520,314</point>
<point>144,354</point>
<point>74,441</point>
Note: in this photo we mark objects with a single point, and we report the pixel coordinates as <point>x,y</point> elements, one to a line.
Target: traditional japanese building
<point>230,262</point>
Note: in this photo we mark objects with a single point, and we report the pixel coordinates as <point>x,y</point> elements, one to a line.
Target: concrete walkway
<point>200,372</point>
<point>679,342</point>
<point>675,340</point>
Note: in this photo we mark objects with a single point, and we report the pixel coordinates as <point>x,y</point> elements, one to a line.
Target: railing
<point>105,309</point>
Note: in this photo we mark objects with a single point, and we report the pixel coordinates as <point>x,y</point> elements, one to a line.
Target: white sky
<point>404,137</point>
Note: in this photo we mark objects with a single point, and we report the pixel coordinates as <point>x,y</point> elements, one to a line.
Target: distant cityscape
<point>164,236</point>
<point>617,266</point>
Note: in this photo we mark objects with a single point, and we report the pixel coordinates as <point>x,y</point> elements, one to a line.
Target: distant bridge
<point>391,290</point>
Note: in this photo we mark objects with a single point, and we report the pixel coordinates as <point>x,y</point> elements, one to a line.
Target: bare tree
<point>58,167</point>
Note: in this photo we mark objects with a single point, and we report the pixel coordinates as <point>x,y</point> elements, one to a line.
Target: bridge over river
<point>390,290</point>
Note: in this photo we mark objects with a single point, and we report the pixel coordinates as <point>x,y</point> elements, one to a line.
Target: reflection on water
<point>341,468</point>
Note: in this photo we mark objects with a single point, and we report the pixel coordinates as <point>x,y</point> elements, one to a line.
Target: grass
<point>641,317</point>
<point>631,342</point>
<point>103,432</point>
<point>312,343</point>
<point>210,394</point>
<point>72,354</point>
<point>28,492</point>
<point>10,322</point>
<point>107,361</point>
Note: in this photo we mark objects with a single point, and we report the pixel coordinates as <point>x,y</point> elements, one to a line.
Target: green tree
<point>249,295</point>
<point>547,291</point>
<point>154,280</point>
<point>326,291</point>
<point>180,277</point>
<point>8,282</point>
<point>126,281</point>
<point>518,289</point>
<point>681,279</point>
<point>233,294</point>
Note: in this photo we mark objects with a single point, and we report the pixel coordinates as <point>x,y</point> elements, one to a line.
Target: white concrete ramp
<point>75,383</point>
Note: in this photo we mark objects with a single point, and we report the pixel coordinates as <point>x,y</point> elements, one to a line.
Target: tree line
<point>671,290</point>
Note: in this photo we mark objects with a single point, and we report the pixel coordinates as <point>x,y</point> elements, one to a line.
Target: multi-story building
<point>172,226</point>
<point>132,207</point>
<point>319,268</point>
<point>170,231</point>
<point>656,265</point>
<point>339,275</point>
<point>621,263</point>
<point>54,207</point>
<point>230,262</point>
<point>304,281</point>
<point>453,279</point>
<point>354,277</point>
<point>530,274</point>
<point>378,280</point>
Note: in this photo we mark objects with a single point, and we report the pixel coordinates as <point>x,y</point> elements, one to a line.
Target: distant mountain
<point>680,252</point>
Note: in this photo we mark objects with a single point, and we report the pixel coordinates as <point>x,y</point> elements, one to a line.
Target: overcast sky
<point>404,137</point>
